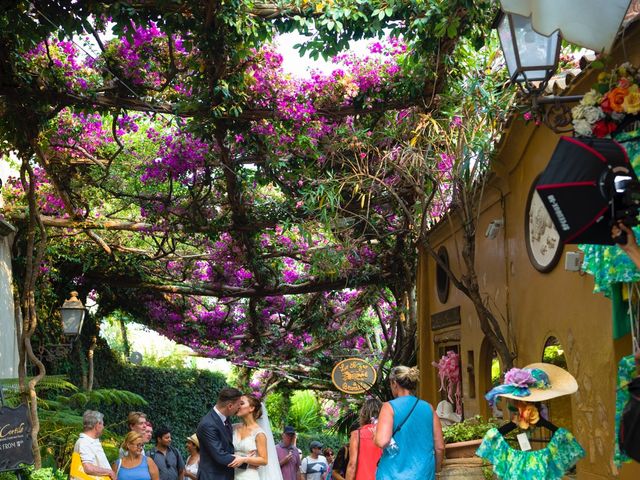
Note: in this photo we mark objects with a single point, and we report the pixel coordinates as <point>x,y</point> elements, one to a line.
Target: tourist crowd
<point>399,439</point>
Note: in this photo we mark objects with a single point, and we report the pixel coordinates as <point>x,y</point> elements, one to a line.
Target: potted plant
<point>463,439</point>
<point>461,442</point>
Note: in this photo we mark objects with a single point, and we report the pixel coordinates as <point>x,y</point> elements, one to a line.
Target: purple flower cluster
<point>519,377</point>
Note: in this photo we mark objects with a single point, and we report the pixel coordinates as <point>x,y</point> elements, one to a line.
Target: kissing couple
<point>242,451</point>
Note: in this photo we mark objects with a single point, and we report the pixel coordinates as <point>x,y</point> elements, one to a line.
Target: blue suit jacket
<point>216,449</point>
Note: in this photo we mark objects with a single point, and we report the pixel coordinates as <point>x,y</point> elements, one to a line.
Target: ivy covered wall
<point>177,398</point>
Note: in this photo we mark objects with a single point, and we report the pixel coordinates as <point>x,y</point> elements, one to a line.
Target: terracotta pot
<point>461,449</point>
<point>463,469</point>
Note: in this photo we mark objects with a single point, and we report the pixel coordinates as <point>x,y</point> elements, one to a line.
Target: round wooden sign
<point>353,375</point>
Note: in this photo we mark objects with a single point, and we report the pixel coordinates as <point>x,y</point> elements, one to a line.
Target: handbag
<point>77,470</point>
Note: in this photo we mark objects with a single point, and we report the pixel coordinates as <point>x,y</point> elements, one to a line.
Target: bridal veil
<point>271,471</point>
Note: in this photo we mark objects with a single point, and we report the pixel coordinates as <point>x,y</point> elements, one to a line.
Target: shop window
<point>442,279</point>
<point>471,371</point>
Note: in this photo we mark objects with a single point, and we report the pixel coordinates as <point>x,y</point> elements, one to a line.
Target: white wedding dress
<point>244,447</point>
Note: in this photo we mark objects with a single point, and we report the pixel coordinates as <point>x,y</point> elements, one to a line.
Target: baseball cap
<point>289,430</point>
<point>315,444</point>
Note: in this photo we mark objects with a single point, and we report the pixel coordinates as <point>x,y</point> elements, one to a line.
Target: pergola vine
<point>189,181</point>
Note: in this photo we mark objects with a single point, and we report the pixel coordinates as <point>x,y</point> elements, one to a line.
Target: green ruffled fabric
<point>550,463</point>
<point>609,264</point>
<point>626,373</point>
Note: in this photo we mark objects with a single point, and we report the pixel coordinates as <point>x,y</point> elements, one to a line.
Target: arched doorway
<point>489,376</point>
<point>560,412</point>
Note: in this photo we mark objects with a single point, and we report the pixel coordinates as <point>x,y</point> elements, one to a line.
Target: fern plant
<point>304,414</point>
<point>60,408</point>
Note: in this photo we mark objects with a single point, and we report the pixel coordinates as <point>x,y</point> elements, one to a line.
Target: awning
<point>592,24</point>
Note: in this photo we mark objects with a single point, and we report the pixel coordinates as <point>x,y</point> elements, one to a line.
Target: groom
<point>216,437</point>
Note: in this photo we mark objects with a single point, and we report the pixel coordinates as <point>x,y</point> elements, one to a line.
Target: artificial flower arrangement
<point>607,104</point>
<point>450,381</point>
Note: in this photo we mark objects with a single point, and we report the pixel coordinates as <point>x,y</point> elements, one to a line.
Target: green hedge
<point>178,398</point>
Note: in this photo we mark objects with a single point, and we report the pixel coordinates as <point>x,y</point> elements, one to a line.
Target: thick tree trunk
<point>34,255</point>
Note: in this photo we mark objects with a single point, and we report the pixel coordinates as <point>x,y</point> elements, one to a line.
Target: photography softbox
<point>578,188</point>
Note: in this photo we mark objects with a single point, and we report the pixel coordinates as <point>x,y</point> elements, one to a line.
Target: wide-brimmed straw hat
<point>536,382</point>
<point>194,439</point>
<point>445,413</point>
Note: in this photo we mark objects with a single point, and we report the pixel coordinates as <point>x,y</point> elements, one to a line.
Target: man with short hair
<point>148,432</point>
<point>88,446</point>
<point>315,466</point>
<point>216,437</point>
<point>166,456</point>
<point>288,455</point>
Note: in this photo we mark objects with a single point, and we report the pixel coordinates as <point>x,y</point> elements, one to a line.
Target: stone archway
<point>560,410</point>
<point>489,376</point>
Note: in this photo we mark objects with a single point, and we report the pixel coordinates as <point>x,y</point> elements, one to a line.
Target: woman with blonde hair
<point>408,432</point>
<point>363,453</point>
<point>134,465</point>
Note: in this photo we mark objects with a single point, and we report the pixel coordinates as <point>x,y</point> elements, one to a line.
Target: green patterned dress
<point>626,373</point>
<point>550,463</point>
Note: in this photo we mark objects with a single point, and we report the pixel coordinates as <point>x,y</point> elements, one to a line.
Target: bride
<point>253,443</point>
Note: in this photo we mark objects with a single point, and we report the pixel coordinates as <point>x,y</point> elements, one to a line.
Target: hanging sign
<point>15,438</point>
<point>353,375</point>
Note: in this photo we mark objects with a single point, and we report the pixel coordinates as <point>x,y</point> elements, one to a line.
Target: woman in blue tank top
<point>134,465</point>
<point>408,432</point>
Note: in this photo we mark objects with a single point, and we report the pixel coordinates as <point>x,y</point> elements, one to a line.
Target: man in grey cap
<point>315,466</point>
<point>288,455</point>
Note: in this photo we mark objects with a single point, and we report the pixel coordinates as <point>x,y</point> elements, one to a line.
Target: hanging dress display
<point>536,382</point>
<point>550,463</point>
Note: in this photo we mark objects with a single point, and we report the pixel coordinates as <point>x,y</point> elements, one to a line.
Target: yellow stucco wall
<point>533,306</point>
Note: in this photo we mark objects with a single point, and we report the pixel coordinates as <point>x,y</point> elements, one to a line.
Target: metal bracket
<point>55,352</point>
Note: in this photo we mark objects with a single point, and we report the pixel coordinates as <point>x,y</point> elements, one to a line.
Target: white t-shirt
<point>90,450</point>
<point>314,468</point>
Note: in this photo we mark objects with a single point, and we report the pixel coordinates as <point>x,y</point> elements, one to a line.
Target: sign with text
<point>353,375</point>
<point>15,438</point>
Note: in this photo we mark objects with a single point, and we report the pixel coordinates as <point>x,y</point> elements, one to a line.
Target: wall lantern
<point>531,58</point>
<point>72,313</point>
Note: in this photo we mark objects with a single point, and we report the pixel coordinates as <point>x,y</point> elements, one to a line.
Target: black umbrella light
<point>588,185</point>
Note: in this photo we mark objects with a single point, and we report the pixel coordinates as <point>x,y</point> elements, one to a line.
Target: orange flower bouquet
<point>607,104</point>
